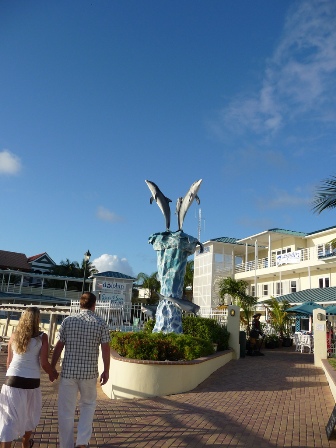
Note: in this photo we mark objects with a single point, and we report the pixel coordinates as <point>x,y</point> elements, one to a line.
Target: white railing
<point>130,317</point>
<point>219,315</point>
<point>37,291</point>
<point>262,263</point>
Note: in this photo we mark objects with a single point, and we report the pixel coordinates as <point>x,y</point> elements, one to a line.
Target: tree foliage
<point>68,268</point>
<point>325,197</point>
<point>189,277</point>
<point>151,283</point>
<point>280,319</point>
<point>237,290</point>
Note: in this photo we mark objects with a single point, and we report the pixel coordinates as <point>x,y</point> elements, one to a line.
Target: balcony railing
<point>39,290</point>
<point>313,253</point>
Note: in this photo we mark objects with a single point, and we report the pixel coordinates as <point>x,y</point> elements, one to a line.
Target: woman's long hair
<point>27,328</point>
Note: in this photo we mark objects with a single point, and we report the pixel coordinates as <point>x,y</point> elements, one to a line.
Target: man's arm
<point>105,348</point>
<point>56,353</point>
<point>51,371</point>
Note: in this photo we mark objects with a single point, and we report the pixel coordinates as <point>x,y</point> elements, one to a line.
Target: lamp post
<point>87,256</point>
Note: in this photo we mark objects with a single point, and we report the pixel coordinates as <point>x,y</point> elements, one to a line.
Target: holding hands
<point>53,375</point>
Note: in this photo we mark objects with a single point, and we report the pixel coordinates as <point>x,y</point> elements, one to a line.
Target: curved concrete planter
<point>132,378</point>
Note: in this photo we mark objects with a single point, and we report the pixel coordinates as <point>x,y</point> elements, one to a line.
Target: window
<point>324,282</point>
<point>265,290</point>
<point>253,290</point>
<point>279,288</point>
<point>282,251</point>
<point>293,286</point>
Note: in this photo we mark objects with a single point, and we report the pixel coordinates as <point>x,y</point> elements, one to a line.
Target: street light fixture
<point>87,256</point>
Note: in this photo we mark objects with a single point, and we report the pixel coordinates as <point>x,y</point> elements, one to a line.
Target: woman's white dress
<point>20,409</point>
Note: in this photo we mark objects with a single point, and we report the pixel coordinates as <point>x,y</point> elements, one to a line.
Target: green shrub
<point>200,327</point>
<point>199,335</point>
<point>159,346</point>
<point>206,328</point>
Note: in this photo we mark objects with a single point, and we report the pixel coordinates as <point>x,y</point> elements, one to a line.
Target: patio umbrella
<point>331,309</point>
<point>304,308</point>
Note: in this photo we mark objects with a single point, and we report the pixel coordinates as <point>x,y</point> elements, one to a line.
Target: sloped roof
<point>288,232</point>
<point>225,239</point>
<point>35,257</point>
<point>322,230</point>
<point>43,258</point>
<point>113,274</point>
<point>14,260</point>
<point>318,295</point>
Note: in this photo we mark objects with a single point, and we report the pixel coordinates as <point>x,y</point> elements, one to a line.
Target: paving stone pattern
<point>277,400</point>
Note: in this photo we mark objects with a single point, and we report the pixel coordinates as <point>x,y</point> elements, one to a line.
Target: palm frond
<point>325,195</point>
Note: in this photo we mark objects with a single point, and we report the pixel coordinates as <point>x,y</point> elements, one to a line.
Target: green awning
<point>318,295</point>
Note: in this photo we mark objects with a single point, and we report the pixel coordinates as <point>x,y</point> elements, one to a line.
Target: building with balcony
<point>290,265</point>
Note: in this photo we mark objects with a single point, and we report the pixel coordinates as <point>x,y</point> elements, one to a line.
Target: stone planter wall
<point>132,378</point>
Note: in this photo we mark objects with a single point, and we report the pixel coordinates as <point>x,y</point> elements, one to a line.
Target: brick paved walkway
<point>277,400</point>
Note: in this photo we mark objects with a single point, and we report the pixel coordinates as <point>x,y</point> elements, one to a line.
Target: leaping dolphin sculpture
<point>183,204</point>
<point>185,305</point>
<point>161,200</point>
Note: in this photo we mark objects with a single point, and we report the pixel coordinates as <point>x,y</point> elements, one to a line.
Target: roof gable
<point>41,259</point>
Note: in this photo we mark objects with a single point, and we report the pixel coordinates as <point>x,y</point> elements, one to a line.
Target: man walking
<point>81,335</point>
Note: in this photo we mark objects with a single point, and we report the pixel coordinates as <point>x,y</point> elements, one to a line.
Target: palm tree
<point>325,196</point>
<point>69,268</point>
<point>280,319</point>
<point>151,283</point>
<point>237,290</point>
<point>234,288</point>
<point>189,277</point>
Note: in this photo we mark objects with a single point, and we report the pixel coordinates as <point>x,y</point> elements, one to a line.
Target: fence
<point>130,317</point>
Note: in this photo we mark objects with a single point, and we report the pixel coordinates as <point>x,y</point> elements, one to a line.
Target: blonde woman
<point>20,397</point>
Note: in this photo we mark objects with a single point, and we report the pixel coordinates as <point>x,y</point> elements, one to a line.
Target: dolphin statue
<point>185,305</point>
<point>149,310</point>
<point>183,204</point>
<point>161,200</point>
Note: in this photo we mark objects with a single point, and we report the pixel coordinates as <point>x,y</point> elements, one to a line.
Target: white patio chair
<point>297,341</point>
<point>307,341</point>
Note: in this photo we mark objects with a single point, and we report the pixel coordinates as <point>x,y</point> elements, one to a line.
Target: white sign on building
<point>112,291</point>
<point>289,257</point>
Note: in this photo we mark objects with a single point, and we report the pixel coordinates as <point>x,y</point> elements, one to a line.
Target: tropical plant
<point>189,277</point>
<point>68,268</point>
<point>325,197</point>
<point>280,319</point>
<point>151,283</point>
<point>237,290</point>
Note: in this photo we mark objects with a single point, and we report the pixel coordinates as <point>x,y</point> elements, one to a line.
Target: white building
<point>297,266</point>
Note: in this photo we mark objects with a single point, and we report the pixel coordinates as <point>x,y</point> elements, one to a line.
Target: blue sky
<point>97,96</point>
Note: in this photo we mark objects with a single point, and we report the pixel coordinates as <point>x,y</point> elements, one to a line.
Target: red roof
<point>34,257</point>
<point>13,260</point>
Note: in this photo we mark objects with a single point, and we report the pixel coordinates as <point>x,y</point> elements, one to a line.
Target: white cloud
<point>113,263</point>
<point>299,77</point>
<point>9,163</point>
<point>106,215</point>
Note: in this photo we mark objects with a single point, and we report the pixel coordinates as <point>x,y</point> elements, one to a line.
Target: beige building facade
<point>274,263</point>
